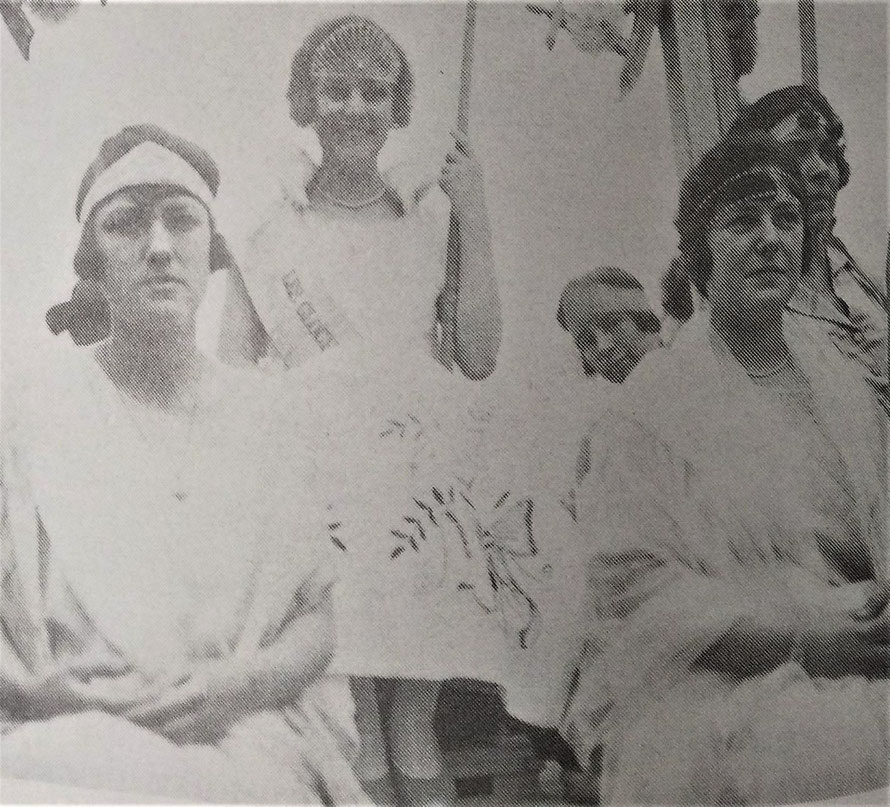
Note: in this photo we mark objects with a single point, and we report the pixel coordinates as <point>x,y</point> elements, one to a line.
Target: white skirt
<point>451,565</point>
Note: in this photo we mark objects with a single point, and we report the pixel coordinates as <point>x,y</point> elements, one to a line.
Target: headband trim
<point>757,172</point>
<point>146,164</point>
<point>357,47</point>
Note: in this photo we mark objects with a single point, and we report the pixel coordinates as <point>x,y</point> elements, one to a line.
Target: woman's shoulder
<point>670,384</point>
<point>837,379</point>
<point>415,186</point>
<point>286,201</point>
<point>249,393</point>
<point>847,274</point>
<point>50,381</point>
<point>294,169</point>
<point>820,354</point>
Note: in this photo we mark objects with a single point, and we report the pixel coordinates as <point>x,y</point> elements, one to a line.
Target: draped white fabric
<point>700,506</point>
<point>123,546</point>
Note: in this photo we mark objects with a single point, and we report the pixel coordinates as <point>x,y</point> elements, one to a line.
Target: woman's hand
<point>81,685</point>
<point>199,706</point>
<point>837,644</point>
<point>461,179</point>
<point>202,703</point>
<point>877,595</point>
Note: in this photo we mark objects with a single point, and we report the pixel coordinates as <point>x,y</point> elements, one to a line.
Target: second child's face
<point>610,344</point>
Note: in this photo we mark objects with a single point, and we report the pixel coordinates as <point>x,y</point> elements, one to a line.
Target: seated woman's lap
<point>780,737</point>
<point>100,751</point>
<point>822,739</point>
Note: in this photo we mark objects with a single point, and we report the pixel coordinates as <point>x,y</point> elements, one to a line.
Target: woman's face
<point>354,117</point>
<point>756,245</point>
<point>610,344</point>
<point>154,243</point>
<point>817,150</point>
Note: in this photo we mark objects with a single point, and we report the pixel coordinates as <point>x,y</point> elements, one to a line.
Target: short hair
<point>86,315</point>
<point>614,276</point>
<point>700,195</point>
<point>301,89</point>
<point>774,107</point>
<point>676,292</point>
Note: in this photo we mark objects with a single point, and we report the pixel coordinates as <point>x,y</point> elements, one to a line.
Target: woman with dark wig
<point>347,280</point>
<point>736,643</point>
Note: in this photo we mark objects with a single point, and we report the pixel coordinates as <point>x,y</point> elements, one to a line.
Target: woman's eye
<point>336,92</point>
<point>786,218</point>
<point>124,222</point>
<point>181,222</point>
<point>375,92</point>
<point>743,220</point>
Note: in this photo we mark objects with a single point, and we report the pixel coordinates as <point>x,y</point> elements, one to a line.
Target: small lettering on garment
<point>307,313</point>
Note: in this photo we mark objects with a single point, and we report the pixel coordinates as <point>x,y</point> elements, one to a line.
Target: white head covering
<point>147,164</point>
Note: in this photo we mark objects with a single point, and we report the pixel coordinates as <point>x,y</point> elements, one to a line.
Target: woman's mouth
<point>162,281</point>
<point>767,269</point>
<point>358,132</point>
<point>768,276</point>
<point>163,287</point>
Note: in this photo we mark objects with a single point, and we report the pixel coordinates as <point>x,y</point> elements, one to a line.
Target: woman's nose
<point>159,242</point>
<point>769,233</point>
<point>815,167</point>
<point>355,102</point>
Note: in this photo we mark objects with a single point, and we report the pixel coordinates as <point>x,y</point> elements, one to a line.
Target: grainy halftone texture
<point>380,562</point>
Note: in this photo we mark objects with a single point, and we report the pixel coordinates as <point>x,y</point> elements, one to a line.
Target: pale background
<point>575,177</point>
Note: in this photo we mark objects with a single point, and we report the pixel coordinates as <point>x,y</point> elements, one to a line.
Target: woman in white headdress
<point>166,592</point>
<point>347,281</point>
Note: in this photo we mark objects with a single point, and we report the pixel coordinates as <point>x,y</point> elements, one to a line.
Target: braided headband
<point>753,183</point>
<point>357,47</point>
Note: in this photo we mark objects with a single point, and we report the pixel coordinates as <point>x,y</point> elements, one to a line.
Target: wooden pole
<point>452,260</point>
<point>18,24</point>
<point>809,53</point>
<point>703,91</point>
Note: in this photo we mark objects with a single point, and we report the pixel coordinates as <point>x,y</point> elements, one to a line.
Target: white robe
<point>699,507</point>
<point>101,559</point>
